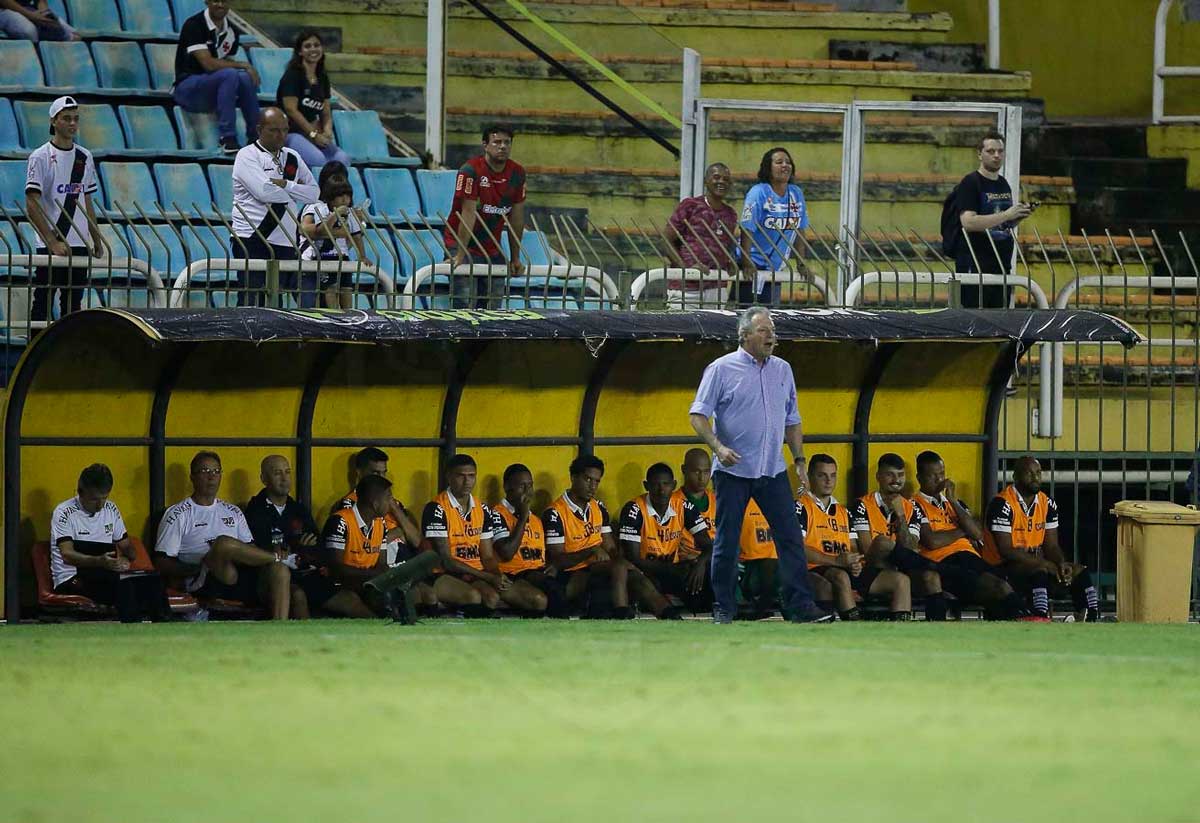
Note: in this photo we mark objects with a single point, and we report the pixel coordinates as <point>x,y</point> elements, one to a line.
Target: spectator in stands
<point>208,79</point>
<point>774,214</point>
<point>303,95</point>
<point>283,526</point>
<point>986,210</point>
<point>59,185</point>
<point>333,172</point>
<point>269,179</point>
<point>1021,540</point>
<point>579,543</point>
<point>327,229</point>
<point>835,566</point>
<point>887,527</point>
<point>489,199</point>
<point>702,234</point>
<point>208,542</point>
<point>91,553</point>
<point>952,538</point>
<point>519,541</point>
<point>33,20</point>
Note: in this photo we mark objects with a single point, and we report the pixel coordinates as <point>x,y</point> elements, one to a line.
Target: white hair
<point>746,321</point>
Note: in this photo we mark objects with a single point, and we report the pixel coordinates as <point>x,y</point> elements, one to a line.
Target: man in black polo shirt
<point>208,80</point>
<point>280,523</point>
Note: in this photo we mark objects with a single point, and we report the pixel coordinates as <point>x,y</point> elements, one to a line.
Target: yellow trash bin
<point>1154,560</point>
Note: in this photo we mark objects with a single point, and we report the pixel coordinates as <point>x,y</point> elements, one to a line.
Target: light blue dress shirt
<point>751,404</point>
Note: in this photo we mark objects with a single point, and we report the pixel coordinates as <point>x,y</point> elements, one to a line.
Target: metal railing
<point>1163,71</point>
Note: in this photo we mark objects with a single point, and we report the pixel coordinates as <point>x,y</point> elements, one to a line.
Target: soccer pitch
<point>577,721</point>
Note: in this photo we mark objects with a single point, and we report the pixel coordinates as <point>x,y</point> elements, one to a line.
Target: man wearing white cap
<point>59,185</point>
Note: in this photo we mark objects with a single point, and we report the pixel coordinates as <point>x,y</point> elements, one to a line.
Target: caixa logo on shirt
<point>69,188</point>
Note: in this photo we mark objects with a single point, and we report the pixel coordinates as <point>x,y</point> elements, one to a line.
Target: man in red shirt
<point>489,199</point>
<point>701,234</point>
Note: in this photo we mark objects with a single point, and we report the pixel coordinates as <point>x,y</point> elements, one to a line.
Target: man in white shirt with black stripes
<point>207,541</point>
<point>59,184</point>
<point>271,183</point>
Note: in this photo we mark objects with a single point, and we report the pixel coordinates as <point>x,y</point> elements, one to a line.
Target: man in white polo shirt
<point>270,185</point>
<point>59,184</point>
<point>91,554</point>
<point>207,541</point>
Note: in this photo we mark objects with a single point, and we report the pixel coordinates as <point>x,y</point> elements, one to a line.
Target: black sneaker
<point>722,617</point>
<point>230,145</point>
<point>810,614</point>
<point>623,613</point>
<point>401,607</point>
<point>671,613</point>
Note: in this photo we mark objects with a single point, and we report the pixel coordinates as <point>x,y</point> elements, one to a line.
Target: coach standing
<point>751,396</point>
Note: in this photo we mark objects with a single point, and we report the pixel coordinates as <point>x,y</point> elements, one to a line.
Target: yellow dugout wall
<point>102,386</point>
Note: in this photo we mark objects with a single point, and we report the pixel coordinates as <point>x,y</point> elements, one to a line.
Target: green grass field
<point>514,720</point>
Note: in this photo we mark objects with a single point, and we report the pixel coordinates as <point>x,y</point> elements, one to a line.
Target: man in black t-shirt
<point>986,210</point>
<point>207,79</point>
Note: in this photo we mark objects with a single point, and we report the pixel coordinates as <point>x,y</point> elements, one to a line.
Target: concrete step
<point>1115,140</point>
<point>1098,172</point>
<point>946,57</point>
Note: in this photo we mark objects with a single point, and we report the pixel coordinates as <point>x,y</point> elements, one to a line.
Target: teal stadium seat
<point>356,184</point>
<point>99,130</point>
<point>12,183</point>
<point>198,130</point>
<point>148,129</point>
<point>418,249</point>
<point>393,194</point>
<point>160,58</point>
<point>10,135</point>
<point>121,66</point>
<point>147,17</point>
<point>360,134</point>
<point>59,7</point>
<point>10,245</point>
<point>94,16</point>
<point>128,184</point>
<point>214,286</point>
<point>437,193</point>
<point>19,64</point>
<point>380,250</point>
<point>160,246</point>
<point>535,248</point>
<point>69,66</point>
<point>185,184</point>
<point>220,179</point>
<point>183,9</point>
<point>271,63</point>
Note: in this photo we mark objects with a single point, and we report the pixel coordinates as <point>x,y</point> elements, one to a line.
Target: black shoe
<point>401,607</point>
<point>810,614</point>
<point>671,613</point>
<point>721,617</point>
<point>230,145</point>
<point>623,613</point>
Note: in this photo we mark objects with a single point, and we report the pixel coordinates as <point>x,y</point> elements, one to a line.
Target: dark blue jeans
<point>774,497</point>
<point>223,91</point>
<point>252,284</point>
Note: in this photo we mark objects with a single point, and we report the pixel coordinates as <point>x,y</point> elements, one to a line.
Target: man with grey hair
<point>751,396</point>
<point>702,233</point>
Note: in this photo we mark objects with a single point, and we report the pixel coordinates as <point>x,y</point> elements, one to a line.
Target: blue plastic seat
<point>214,286</point>
<point>535,250</point>
<point>198,130</point>
<point>127,184</point>
<point>59,7</point>
<point>271,64</point>
<point>68,65</point>
<point>10,245</point>
<point>417,249</point>
<point>121,66</point>
<point>185,184</point>
<point>13,174</point>
<point>19,64</point>
<point>360,134</point>
<point>437,193</point>
<point>183,9</point>
<point>160,246</point>
<point>147,17</point>
<point>147,128</point>
<point>98,128</point>
<point>10,135</point>
<point>160,58</point>
<point>95,15</point>
<point>356,184</point>
<point>393,194</point>
<point>220,179</point>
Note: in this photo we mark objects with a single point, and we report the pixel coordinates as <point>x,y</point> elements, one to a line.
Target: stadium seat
<point>69,66</point>
<point>121,66</point>
<point>184,9</point>
<point>160,57</point>
<point>220,178</point>
<point>185,184</point>
<point>381,251</point>
<point>46,597</point>
<point>271,64</point>
<point>127,184</point>
<point>148,129</point>
<point>357,185</point>
<point>99,130</point>
<point>59,7</point>
<point>95,15</point>
<point>393,194</point>
<point>198,130</point>
<point>160,246</point>
<point>19,64</point>
<point>10,245</point>
<point>437,193</point>
<point>147,17</point>
<point>535,248</point>
<point>12,183</point>
<point>417,249</point>
<point>360,134</point>
<point>10,135</point>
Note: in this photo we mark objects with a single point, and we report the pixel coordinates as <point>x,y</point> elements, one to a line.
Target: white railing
<point>183,282</point>
<point>594,280</point>
<point>1163,71</point>
<point>722,278</point>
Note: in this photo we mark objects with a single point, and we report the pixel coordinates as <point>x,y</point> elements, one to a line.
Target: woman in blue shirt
<point>773,215</point>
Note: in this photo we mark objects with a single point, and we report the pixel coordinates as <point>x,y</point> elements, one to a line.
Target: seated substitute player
<point>519,541</point>
<point>652,528</point>
<point>951,538</point>
<point>207,541</point>
<point>579,541</point>
<point>697,471</point>
<point>888,528</point>
<point>1021,540</point>
<point>460,529</point>
<point>836,569</point>
<point>283,526</point>
<point>354,541</point>
<point>90,552</point>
